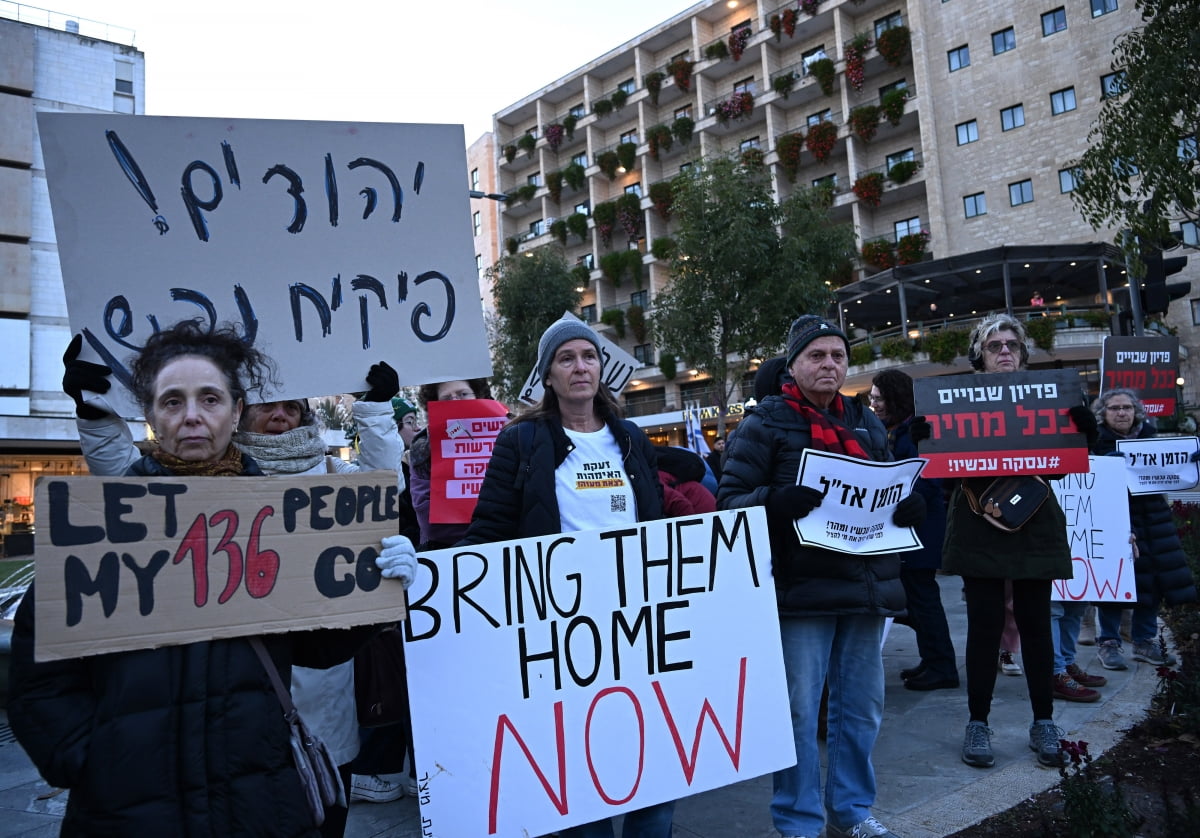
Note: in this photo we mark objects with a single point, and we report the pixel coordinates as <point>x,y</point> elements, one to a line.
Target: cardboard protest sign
<point>334,245</point>
<point>1160,464</point>
<point>1146,365</point>
<point>859,499</point>
<point>559,680</point>
<point>140,562</point>
<point>1001,423</point>
<point>461,436</point>
<point>618,369</point>
<point>1097,512</point>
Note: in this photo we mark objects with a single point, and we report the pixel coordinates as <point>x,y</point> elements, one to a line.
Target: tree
<point>1141,170</point>
<point>532,291</point>
<point>744,267</point>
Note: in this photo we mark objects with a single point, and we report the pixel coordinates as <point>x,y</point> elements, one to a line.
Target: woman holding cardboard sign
<point>187,739</point>
<point>537,483</point>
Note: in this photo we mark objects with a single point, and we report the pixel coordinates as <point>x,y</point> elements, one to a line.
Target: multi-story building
<point>945,128</point>
<point>47,62</point>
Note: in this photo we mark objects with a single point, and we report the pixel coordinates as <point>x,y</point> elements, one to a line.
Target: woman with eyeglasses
<point>985,557</point>
<point>1159,563</point>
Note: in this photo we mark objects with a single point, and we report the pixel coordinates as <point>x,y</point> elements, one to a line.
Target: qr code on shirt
<point>618,503</point>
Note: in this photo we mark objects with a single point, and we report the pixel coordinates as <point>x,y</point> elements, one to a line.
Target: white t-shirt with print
<point>591,486</point>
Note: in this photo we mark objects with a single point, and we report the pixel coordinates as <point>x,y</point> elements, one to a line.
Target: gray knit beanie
<point>560,332</point>
<point>807,328</point>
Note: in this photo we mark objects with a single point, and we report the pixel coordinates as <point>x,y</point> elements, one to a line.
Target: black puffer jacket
<point>187,741</point>
<point>517,498</point>
<point>1161,567</point>
<point>764,454</point>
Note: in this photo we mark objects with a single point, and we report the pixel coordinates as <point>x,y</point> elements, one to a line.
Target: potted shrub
<point>902,171</point>
<point>776,25</point>
<point>659,138</point>
<point>892,104</point>
<point>861,354</point>
<point>635,316</point>
<point>864,121</point>
<point>614,317</point>
<point>627,155</point>
<point>809,7</point>
<point>510,152</point>
<point>629,213</point>
<point>663,248</point>
<point>869,188</point>
<point>652,81</point>
<point>577,224</point>
<point>554,133</point>
<point>911,248</point>
<point>608,163</point>
<point>682,128</point>
<point>737,42</point>
<point>602,108</point>
<point>662,196</point>
<point>681,70</point>
<point>1041,330</point>
<point>898,349</point>
<point>575,176</point>
<point>716,51</point>
<point>558,229</point>
<point>856,59</point>
<point>554,183</point>
<point>788,148</point>
<point>604,218</point>
<point>821,139</point>
<point>738,105</point>
<point>824,71</point>
<point>569,122</point>
<point>893,44</point>
<point>944,345</point>
<point>619,98</point>
<point>581,275</point>
<point>753,158</point>
<point>668,365</point>
<point>525,192</point>
<point>878,254</point>
<point>633,265</point>
<point>511,244</point>
<point>527,143</point>
<point>783,84</point>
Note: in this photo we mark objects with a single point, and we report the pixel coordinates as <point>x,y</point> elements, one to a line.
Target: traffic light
<point>1156,293</point>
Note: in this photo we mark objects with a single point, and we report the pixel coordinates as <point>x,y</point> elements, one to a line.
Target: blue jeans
<point>1142,628</point>
<point>651,822</point>
<point>845,651</point>
<point>1065,620</point>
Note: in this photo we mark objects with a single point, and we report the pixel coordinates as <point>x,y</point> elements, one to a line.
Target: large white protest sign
<point>618,369</point>
<point>860,496</point>
<point>1096,506</point>
<point>332,244</point>
<point>1160,464</point>
<point>559,680</point>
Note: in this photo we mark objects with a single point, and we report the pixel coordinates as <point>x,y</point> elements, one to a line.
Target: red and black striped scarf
<point>827,435</point>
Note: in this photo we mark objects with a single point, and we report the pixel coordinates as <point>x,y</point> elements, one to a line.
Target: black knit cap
<point>807,328</point>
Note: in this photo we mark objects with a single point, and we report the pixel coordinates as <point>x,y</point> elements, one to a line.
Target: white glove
<point>398,559</point>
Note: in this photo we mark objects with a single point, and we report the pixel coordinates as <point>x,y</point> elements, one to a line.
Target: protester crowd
<point>833,606</point>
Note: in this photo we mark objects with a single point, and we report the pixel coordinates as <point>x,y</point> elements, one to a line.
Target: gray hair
<point>987,327</point>
<point>1139,410</point>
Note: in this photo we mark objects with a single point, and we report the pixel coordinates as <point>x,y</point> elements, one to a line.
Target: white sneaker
<point>374,789</point>
<point>411,787</point>
<point>1007,665</point>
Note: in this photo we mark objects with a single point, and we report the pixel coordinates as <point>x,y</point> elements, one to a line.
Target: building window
<point>1187,147</point>
<point>476,222</point>
<point>819,117</point>
<point>1004,40</point>
<point>684,168</point>
<point>1062,101</point>
<point>899,84</point>
<point>1103,7</point>
<point>1124,168</point>
<point>639,298</point>
<point>588,260</point>
<point>974,205</point>
<point>1067,178</point>
<point>643,353</point>
<point>1190,233</point>
<point>745,24</point>
<point>907,227</point>
<point>629,137</point>
<point>123,78</point>
<point>684,112</point>
<point>475,179</point>
<point>749,143</point>
<point>883,24</point>
<point>827,182</point>
<point>534,130</point>
<point>959,57</point>
<point>745,86</point>
<point>905,156</point>
<point>534,179</point>
<point>478,265</point>
<point>1013,117</point>
<point>634,189</point>
<point>1055,21</point>
<point>536,228</point>
<point>807,58</point>
<point>1020,193</point>
<point>627,86</point>
<point>588,313</point>
<point>580,159</point>
<point>968,132</point>
<point>584,209</point>
<point>1112,84</point>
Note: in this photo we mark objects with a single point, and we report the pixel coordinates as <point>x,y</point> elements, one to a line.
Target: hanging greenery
<point>864,121</point>
<point>652,81</point>
<point>681,70</point>
<point>662,196</point>
<point>558,229</point>
<point>682,128</point>
<point>604,217</point>
<point>668,365</point>
<point>784,83</point>
<point>824,71</point>
<point>902,171</point>
<point>821,139</point>
<point>659,139</point>
<point>527,143</point>
<point>629,214</point>
<point>608,163</point>
<point>619,98</point>
<point>554,182</point>
<point>575,176</point>
<point>602,108</point>
<point>635,316</point>
<point>577,224</point>
<point>627,155</point>
<point>893,44</point>
<point>510,152</point>
<point>788,148</point>
<point>892,103</point>
<point>614,317</point>
<point>663,248</point>
<point>569,122</point>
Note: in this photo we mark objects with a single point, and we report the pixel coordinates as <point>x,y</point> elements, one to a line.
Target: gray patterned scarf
<point>291,452</point>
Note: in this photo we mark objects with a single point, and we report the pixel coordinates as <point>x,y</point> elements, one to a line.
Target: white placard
<point>1160,464</point>
<point>560,680</point>
<point>1096,506</point>
<point>860,496</point>
<point>334,244</point>
<point>619,366</point>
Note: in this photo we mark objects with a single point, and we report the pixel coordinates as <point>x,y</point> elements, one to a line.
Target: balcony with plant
<point>788,148</point>
<point>717,50</point>
<point>509,152</point>
<point>577,223</point>
<point>680,70</point>
<point>629,214</point>
<point>894,44</point>
<point>738,106</point>
<point>738,39</point>
<point>683,128</point>
<point>821,139</point>
<point>653,81</point>
<point>784,82</point>
<point>869,189</point>
<point>783,23</point>
<point>554,184</point>
<point>662,197</point>
<point>609,162</point>
<point>809,7</point>
<point>554,134</point>
<point>825,72</point>
<point>903,171</point>
<point>878,254</point>
<point>911,249</point>
<point>602,108</point>
<point>627,155</point>
<point>604,219</point>
<point>864,121</point>
<point>659,139</point>
<point>856,59</point>
<point>527,143</point>
<point>892,104</point>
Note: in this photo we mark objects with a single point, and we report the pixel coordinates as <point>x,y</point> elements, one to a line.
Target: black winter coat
<point>1161,568</point>
<point>517,498</point>
<point>182,741</point>
<point>764,454</point>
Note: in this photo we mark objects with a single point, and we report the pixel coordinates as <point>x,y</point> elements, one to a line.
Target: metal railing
<point>67,23</point>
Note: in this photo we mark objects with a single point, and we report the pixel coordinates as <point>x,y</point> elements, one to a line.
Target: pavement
<point>924,789</point>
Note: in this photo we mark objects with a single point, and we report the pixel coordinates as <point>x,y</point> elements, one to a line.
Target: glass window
<point>744,86</point>
<point>968,132</point>
<point>626,86</point>
<point>478,264</point>
<point>883,24</point>
<point>684,167</point>
<point>751,142</point>
<point>900,84</point>
<point>1187,147</point>
<point>580,159</point>
<point>900,157</point>
<point>577,111</point>
<point>584,209</point>
<point>634,189</point>
<point>1067,178</point>
<point>476,222</point>
<point>974,205</point>
<point>685,111</point>
<point>639,298</point>
<point>1004,40</point>
<point>1112,84</point>
<point>536,228</point>
<point>1190,234</point>
<point>816,54</point>
<point>1103,7</point>
<point>1062,101</point>
<point>826,182</point>
<point>1013,117</point>
<point>588,260</point>
<point>820,116</point>
<point>534,179</point>
<point>588,313</point>
<point>629,137</point>
<point>959,57</point>
<point>1020,193</point>
<point>643,353</point>
<point>1055,21</point>
<point>123,78</point>
<point>475,179</point>
<point>907,227</point>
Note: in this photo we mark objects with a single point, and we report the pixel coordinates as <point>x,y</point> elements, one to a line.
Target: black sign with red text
<point>1148,366</point>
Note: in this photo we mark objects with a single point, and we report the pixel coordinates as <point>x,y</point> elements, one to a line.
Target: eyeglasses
<point>1119,408</point>
<point>995,346</point>
<point>875,399</point>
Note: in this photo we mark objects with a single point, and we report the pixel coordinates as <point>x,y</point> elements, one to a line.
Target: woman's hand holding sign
<point>398,560</point>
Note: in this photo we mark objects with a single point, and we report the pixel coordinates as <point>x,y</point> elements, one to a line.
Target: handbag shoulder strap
<point>285,698</point>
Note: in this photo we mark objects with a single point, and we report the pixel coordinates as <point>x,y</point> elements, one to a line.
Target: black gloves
<point>792,502</point>
<point>383,381</point>
<point>919,430</point>
<point>1195,458</point>
<point>83,375</point>
<point>1085,423</point>
<point>910,511</point>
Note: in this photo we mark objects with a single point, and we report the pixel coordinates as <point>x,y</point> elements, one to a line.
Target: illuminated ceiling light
<point>927,282</point>
<point>1057,299</point>
<point>978,271</point>
<point>859,302</point>
<point>635,383</point>
<point>579,289</point>
<point>913,334</point>
<point>1027,264</point>
<point>1179,382</point>
<point>693,372</point>
<point>889,290</point>
<point>732,3</point>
